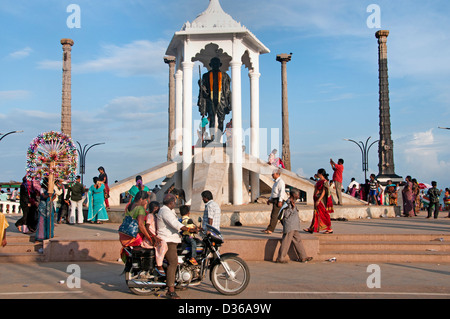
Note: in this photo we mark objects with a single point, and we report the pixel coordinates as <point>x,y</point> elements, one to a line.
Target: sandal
<point>328,232</point>
<point>172,295</point>
<point>305,260</point>
<point>160,272</point>
<point>307,230</point>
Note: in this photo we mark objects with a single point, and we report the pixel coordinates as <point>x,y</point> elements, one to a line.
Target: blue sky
<point>120,82</point>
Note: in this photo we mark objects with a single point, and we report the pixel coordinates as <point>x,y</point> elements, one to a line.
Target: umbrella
<point>424,186</point>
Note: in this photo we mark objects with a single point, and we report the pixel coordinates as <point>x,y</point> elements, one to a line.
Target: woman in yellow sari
<point>323,205</point>
<point>3,225</point>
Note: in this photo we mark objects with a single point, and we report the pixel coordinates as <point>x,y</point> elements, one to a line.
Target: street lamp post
<point>365,148</point>
<point>82,152</point>
<point>5,135</point>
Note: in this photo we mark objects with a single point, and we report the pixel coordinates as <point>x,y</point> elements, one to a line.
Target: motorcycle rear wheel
<point>139,291</point>
<point>233,283</point>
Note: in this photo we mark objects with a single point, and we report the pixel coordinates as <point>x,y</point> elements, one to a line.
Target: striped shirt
<point>212,211</point>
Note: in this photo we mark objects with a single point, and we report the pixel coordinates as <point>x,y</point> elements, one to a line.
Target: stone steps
<point>21,249</point>
<point>385,248</point>
<point>19,258</point>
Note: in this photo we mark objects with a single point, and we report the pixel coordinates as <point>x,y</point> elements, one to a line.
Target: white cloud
<point>14,95</point>
<point>309,18</point>
<point>129,119</point>
<point>418,45</point>
<point>20,54</point>
<point>422,140</point>
<point>133,108</point>
<point>140,57</point>
<point>424,155</point>
<point>50,65</point>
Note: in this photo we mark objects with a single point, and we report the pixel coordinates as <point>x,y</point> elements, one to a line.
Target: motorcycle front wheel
<point>231,276</point>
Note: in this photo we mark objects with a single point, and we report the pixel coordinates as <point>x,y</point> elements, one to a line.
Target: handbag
<point>281,212</point>
<point>129,227</point>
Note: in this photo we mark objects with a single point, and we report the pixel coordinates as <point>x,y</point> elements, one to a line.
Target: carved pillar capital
<point>284,58</point>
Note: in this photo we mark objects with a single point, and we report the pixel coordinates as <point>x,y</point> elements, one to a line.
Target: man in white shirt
<point>169,228</point>
<point>212,212</point>
<point>276,198</point>
<point>352,183</point>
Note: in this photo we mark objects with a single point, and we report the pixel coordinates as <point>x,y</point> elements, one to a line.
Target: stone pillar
<point>170,60</point>
<point>236,104</point>
<point>286,152</point>
<point>179,112</point>
<point>66,108</point>
<point>187,130</point>
<point>386,145</point>
<point>254,129</point>
<point>178,122</point>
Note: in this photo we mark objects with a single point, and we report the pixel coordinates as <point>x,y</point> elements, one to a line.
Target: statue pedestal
<point>213,172</point>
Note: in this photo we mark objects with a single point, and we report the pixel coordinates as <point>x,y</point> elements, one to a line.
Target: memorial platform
<point>361,238</point>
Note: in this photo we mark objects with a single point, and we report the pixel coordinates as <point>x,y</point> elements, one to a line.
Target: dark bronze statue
<point>214,98</point>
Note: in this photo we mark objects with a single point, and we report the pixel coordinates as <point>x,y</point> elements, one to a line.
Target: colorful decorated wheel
<point>52,153</point>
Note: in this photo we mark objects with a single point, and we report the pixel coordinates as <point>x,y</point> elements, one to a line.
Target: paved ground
<point>316,280</point>
<point>269,281</point>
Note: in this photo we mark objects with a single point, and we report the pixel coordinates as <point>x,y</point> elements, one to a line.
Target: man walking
<point>212,212</point>
<point>169,228</point>
<point>75,194</point>
<point>433,194</point>
<point>337,177</point>
<point>276,198</point>
<point>291,228</point>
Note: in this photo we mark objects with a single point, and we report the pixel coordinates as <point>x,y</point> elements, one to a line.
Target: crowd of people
<point>42,207</point>
<point>409,194</point>
<point>413,198</point>
<point>160,228</point>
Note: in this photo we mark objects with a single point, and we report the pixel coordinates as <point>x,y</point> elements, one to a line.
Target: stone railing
<point>7,207</point>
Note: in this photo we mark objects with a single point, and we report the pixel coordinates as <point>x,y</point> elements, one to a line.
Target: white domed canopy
<point>213,25</point>
<point>215,33</point>
<point>213,18</point>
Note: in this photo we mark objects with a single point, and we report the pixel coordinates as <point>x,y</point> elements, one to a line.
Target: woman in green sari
<point>136,188</point>
<point>96,195</point>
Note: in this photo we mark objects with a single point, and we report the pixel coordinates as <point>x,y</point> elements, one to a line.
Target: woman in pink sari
<point>408,198</point>
<point>159,245</point>
<point>323,205</point>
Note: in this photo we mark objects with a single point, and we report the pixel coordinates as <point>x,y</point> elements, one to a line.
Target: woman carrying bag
<point>137,211</point>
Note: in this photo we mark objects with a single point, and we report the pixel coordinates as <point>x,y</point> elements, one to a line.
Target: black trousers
<point>274,215</point>
<point>436,209</point>
<point>23,220</point>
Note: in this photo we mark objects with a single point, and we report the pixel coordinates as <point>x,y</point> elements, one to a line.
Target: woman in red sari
<point>323,205</point>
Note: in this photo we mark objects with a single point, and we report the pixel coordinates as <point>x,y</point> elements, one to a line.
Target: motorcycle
<point>228,273</point>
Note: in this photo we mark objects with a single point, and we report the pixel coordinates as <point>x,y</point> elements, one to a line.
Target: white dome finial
<point>213,17</point>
